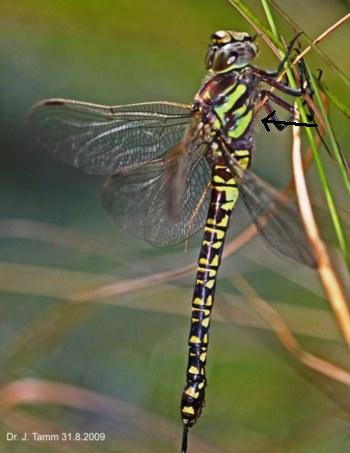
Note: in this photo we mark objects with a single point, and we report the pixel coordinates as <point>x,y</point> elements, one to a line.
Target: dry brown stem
<point>277,324</point>
<point>331,283</point>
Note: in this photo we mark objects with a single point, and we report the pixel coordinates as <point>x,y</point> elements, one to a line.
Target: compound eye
<point>209,59</point>
<point>223,58</point>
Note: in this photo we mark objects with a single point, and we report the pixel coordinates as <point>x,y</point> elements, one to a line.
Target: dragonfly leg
<point>279,101</point>
<point>280,67</point>
<point>305,83</point>
<point>270,80</point>
<point>274,117</point>
<point>283,87</point>
<point>270,76</point>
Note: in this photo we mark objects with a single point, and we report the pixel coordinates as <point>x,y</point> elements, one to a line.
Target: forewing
<point>276,217</point>
<point>103,140</point>
<point>138,201</point>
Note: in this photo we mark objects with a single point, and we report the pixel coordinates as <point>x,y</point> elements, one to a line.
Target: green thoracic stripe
<point>223,109</point>
<point>241,126</point>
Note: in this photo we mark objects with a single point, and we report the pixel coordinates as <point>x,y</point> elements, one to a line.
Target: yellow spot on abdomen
<point>215,261</point>
<point>205,322</point>
<point>192,393</point>
<point>227,206</point>
<point>205,312</point>
<point>231,181</point>
<point>224,221</point>
<point>188,410</point>
<point>244,162</point>
<point>231,193</point>
<point>219,234</point>
<point>198,301</point>
<point>241,152</point>
<point>209,301</point>
<point>218,179</point>
<point>210,284</point>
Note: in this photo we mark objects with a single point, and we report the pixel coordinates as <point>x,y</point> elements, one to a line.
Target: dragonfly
<point>172,169</point>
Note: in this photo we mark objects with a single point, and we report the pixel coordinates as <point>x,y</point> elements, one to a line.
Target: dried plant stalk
<point>331,283</point>
<point>277,324</point>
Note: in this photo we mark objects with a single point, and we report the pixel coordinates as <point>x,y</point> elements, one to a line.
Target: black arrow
<point>267,120</point>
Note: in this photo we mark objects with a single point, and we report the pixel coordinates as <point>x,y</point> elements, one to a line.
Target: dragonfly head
<point>229,50</point>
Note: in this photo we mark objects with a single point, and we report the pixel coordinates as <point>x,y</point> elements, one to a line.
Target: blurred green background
<point>55,240</point>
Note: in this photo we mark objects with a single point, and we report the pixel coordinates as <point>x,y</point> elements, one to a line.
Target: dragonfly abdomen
<point>224,195</point>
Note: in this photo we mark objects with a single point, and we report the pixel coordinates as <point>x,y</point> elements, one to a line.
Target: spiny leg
<point>305,81</point>
<point>280,67</point>
<point>279,85</point>
<point>270,76</point>
<point>306,86</point>
<point>279,101</point>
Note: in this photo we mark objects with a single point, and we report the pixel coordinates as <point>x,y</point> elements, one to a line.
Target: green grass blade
<point>315,48</point>
<point>337,224</point>
<point>335,100</point>
<point>333,141</point>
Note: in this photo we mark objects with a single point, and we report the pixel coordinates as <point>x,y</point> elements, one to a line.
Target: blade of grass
<point>333,141</point>
<point>315,42</point>
<point>337,224</point>
<point>340,105</point>
<point>273,43</point>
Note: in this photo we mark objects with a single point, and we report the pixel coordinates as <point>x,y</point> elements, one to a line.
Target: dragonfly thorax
<point>229,50</point>
<point>225,104</point>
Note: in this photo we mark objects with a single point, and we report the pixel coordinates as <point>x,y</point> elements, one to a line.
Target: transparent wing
<point>275,216</point>
<point>101,139</point>
<point>138,200</point>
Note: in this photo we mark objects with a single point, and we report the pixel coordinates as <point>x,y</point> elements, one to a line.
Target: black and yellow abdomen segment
<point>223,198</point>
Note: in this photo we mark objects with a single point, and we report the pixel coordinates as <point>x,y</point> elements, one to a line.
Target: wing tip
<point>43,103</point>
<point>47,102</point>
